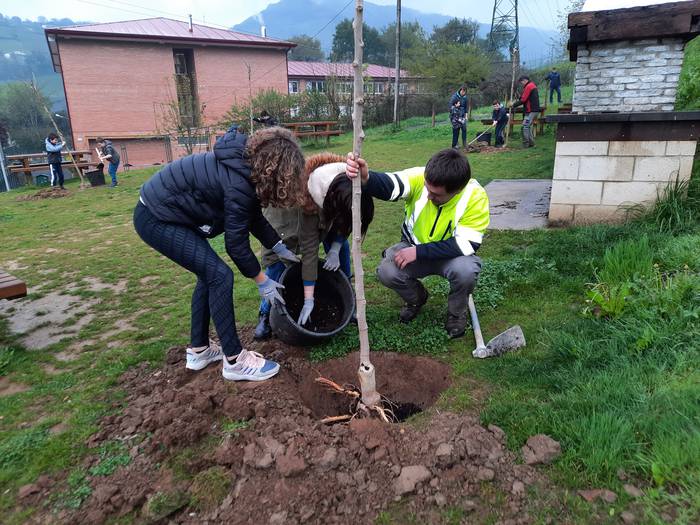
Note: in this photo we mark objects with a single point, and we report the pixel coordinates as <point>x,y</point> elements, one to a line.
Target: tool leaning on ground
<point>507,341</point>
<point>480,135</point>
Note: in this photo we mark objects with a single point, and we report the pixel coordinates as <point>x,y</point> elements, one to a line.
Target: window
<point>186,86</point>
<point>318,86</point>
<point>344,88</point>
<point>379,87</point>
<point>294,86</point>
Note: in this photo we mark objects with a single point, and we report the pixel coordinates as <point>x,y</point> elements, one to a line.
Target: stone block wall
<point>597,181</point>
<point>628,76</point>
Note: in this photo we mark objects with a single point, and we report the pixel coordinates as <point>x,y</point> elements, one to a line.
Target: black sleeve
<point>238,205</point>
<point>447,249</point>
<point>261,229</point>
<point>381,185</point>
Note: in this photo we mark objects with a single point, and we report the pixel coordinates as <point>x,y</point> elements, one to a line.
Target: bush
<point>689,82</point>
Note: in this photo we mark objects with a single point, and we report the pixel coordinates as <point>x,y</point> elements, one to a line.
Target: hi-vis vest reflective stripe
<point>465,217</point>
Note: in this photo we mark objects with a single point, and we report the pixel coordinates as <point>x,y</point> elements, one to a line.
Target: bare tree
<point>182,115</point>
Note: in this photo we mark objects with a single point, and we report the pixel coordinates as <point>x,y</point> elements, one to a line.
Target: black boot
<point>410,311</point>
<point>263,330</point>
<point>456,325</point>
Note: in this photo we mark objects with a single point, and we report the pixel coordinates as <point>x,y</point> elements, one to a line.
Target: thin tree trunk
<point>515,60</point>
<point>398,63</point>
<point>370,397</point>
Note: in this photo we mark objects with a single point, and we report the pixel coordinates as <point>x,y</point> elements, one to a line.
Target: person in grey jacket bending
<point>201,196</point>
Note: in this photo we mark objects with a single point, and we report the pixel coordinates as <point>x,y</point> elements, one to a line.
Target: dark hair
<point>337,207</point>
<point>276,167</point>
<point>496,101</point>
<point>464,87</point>
<point>52,136</point>
<point>449,169</point>
<point>457,101</point>
<point>99,140</point>
<point>523,77</point>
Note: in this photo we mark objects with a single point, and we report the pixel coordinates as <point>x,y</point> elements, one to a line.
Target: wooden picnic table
<point>321,128</point>
<point>11,287</point>
<point>23,163</point>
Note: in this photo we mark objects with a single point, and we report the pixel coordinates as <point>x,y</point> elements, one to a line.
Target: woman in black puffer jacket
<point>201,196</point>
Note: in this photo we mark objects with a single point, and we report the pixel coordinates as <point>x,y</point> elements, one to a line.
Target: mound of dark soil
<point>204,450</point>
<point>47,193</point>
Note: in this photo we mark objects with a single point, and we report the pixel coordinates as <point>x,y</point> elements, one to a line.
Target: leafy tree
<point>689,82</point>
<point>413,43</point>
<point>343,42</point>
<point>456,31</point>
<point>308,49</point>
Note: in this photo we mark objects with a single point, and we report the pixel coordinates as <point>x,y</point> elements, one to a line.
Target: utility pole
<point>397,80</point>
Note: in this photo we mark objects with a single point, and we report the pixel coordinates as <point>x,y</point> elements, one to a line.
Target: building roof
<point>167,29</point>
<point>329,69</point>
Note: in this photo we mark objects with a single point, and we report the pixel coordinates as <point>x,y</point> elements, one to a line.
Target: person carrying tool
<point>446,215</point>
<point>109,154</point>
<point>200,196</point>
<point>530,98</point>
<point>325,218</point>
<point>460,95</point>
<point>500,120</point>
<point>54,158</point>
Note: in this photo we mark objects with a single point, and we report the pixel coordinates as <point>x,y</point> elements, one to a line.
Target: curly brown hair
<point>277,168</point>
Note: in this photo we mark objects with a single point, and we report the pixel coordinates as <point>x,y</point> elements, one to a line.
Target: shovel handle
<point>475,324</point>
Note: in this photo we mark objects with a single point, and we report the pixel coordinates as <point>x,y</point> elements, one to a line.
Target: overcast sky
<point>537,13</point>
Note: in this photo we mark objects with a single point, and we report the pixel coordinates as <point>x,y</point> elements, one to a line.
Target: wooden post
<point>370,397</point>
<point>60,136</point>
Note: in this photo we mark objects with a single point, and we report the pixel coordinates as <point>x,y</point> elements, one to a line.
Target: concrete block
<point>624,51</point>
<point>655,62</point>
<point>667,107</point>
<point>670,92</point>
<point>601,52</point>
<point>656,168</point>
<point>614,59</point>
<point>681,147</point>
<point>686,168</point>
<point>665,100</point>
<point>565,167</point>
<point>673,78</point>
<point>585,88</point>
<point>561,213</point>
<point>587,214</point>
<point>576,192</point>
<point>656,49</point>
<point>606,168</point>
<point>651,78</point>
<point>635,101</point>
<point>582,148</point>
<point>616,193</point>
<point>676,62</point>
<point>640,148</point>
<point>582,52</point>
<point>623,80</point>
<point>671,55</point>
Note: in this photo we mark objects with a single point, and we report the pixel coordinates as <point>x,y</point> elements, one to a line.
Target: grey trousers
<point>462,273</point>
<point>528,139</point>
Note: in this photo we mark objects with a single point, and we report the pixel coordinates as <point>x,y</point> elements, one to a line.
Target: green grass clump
<point>209,488</point>
<point>163,504</point>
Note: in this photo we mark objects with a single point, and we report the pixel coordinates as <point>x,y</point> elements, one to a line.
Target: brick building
<point>123,79</point>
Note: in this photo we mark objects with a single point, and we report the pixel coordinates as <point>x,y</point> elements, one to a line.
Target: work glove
<point>268,290</point>
<point>284,253</point>
<point>333,257</point>
<point>306,311</point>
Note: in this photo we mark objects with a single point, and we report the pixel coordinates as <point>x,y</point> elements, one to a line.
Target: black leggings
<point>214,291</point>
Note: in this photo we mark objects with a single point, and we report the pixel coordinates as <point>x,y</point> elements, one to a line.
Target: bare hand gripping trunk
<point>370,397</point>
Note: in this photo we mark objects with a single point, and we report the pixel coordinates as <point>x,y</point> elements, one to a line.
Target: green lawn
<point>615,380</point>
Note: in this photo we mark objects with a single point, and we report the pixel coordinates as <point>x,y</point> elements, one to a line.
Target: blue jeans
<point>112,169</point>
<point>499,133</point>
<point>274,271</point>
<point>455,135</point>
<point>551,94</point>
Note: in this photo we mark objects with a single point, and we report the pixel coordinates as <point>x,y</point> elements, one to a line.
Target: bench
<point>11,287</point>
<point>517,118</point>
<point>323,128</point>
<point>23,163</point>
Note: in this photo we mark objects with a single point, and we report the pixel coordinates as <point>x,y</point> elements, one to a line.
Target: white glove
<point>306,311</point>
<point>333,257</point>
<point>268,290</point>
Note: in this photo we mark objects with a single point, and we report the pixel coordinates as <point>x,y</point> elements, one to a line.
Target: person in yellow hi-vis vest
<point>446,215</point>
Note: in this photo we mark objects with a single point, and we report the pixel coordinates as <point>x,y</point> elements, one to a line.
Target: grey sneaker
<point>249,366</point>
<point>200,360</point>
<point>410,311</point>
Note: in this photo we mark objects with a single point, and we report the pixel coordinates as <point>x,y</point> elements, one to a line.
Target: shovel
<point>511,339</point>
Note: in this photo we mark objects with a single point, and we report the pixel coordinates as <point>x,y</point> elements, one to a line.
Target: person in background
<point>530,99</point>
<point>554,79</point>
<point>457,121</point>
<point>110,155</point>
<point>460,95</point>
<point>201,196</point>
<point>266,119</point>
<point>500,120</point>
<point>54,158</point>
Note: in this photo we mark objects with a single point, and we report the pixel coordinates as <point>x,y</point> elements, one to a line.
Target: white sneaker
<point>199,360</point>
<point>250,366</point>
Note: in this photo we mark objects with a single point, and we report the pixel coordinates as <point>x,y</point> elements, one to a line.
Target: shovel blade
<point>507,341</point>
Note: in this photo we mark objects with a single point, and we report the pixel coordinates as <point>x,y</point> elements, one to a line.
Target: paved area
<point>519,204</point>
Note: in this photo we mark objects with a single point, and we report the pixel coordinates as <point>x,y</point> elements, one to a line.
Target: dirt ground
<point>53,192</point>
<point>204,450</point>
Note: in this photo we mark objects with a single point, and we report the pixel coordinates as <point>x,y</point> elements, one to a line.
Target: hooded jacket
<point>108,149</point>
<point>53,151</point>
<point>213,194</point>
<point>530,98</point>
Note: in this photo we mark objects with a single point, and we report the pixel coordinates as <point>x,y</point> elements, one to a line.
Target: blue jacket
<point>212,193</point>
<point>500,115</point>
<point>463,102</point>
<point>554,79</point>
<point>53,151</point>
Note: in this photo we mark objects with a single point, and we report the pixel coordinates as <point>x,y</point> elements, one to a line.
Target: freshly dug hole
<point>411,383</point>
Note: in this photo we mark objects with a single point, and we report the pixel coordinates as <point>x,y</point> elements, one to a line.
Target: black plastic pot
<point>333,309</point>
<point>96,176</point>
